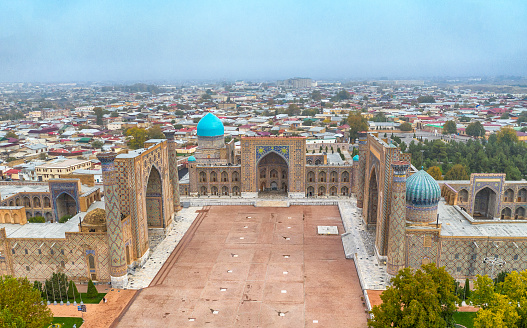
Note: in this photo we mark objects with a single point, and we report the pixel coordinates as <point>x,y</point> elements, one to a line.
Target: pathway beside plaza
<point>246,266</point>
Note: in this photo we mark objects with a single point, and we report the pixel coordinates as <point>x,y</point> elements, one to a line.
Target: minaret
<point>363,145</point>
<point>118,268</point>
<point>396,235</point>
<point>173,170</point>
<point>355,184</point>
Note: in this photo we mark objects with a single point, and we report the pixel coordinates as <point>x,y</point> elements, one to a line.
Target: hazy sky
<point>90,40</point>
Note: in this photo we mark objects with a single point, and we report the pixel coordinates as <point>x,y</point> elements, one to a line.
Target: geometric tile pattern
<point>113,216</point>
<point>396,240</point>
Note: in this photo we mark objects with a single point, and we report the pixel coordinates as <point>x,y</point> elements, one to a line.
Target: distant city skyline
<point>61,41</point>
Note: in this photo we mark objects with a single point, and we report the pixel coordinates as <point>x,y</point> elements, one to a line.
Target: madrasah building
<point>463,225</point>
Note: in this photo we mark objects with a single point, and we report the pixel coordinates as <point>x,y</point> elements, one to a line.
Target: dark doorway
<point>373,199</point>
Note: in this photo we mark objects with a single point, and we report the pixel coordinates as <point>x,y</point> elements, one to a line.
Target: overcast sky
<point>141,40</point>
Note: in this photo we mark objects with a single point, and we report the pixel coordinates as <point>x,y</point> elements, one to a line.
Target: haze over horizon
<point>84,40</point>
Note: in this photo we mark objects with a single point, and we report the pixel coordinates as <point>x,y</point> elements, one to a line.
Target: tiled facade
<point>407,237</point>
<point>138,195</point>
<point>268,164</point>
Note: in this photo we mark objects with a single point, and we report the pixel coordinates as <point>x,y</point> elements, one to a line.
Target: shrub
<point>92,291</point>
<point>73,293</point>
<point>37,219</point>
<point>65,218</point>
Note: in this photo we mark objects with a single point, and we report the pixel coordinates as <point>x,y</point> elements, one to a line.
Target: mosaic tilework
<point>417,254</point>
<point>292,149</point>
<point>68,255</point>
<point>113,216</point>
<point>396,237</point>
<point>493,181</point>
<point>173,169</point>
<point>363,146</point>
<point>70,188</point>
<point>463,257</point>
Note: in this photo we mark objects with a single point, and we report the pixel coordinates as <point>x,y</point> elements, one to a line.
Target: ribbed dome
<point>210,126</point>
<point>95,217</point>
<point>191,159</point>
<point>356,158</point>
<point>422,189</point>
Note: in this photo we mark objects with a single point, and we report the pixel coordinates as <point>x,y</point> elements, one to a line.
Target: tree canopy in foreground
<point>503,304</point>
<point>421,298</point>
<point>21,305</point>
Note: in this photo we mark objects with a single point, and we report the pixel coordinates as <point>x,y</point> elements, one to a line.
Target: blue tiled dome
<point>422,189</point>
<point>191,159</point>
<point>210,126</point>
<point>356,158</point>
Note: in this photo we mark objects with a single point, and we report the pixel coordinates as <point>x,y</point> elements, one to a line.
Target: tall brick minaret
<point>173,170</point>
<point>118,268</point>
<point>363,145</point>
<point>396,234</point>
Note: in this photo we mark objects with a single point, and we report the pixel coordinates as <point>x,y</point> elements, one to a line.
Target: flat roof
<point>455,223</point>
<point>47,230</point>
<point>63,163</point>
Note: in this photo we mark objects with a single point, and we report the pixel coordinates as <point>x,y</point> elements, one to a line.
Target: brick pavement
<point>255,267</point>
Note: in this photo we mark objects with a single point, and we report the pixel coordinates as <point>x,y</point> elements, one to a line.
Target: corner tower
<point>118,268</point>
<point>397,229</point>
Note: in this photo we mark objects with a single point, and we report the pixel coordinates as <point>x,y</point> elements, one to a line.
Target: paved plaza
<point>246,266</point>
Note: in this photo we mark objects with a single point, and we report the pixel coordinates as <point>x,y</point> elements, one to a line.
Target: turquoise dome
<point>191,159</point>
<point>210,126</point>
<point>356,158</point>
<point>422,189</point>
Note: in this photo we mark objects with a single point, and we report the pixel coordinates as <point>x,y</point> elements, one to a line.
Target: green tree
<point>55,287</point>
<point>21,305</point>
<point>421,298</point>
<point>42,156</point>
<point>342,95</point>
<point>138,137</point>
<point>405,127</point>
<point>11,134</point>
<point>178,126</point>
<point>114,114</point>
<point>92,291</point>
<point>505,116</point>
<point>449,127</point>
<point>379,117</point>
<point>457,172</point>
<point>73,293</point>
<point>466,288</point>
<point>37,219</point>
<point>357,123</point>
<point>155,132</point>
<point>475,129</point>
<point>426,99</point>
<point>293,109</point>
<point>507,135</point>
<point>522,118</point>
<point>99,112</point>
<point>97,144</point>
<point>316,95</point>
<point>435,172</point>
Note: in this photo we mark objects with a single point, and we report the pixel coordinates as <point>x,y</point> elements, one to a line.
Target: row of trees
<point>474,129</point>
<point>502,152</point>
<point>428,297</point>
<point>58,289</point>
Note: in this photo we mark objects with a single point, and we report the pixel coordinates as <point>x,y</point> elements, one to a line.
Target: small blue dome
<point>422,189</point>
<point>210,126</point>
<point>356,158</point>
<point>191,159</point>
